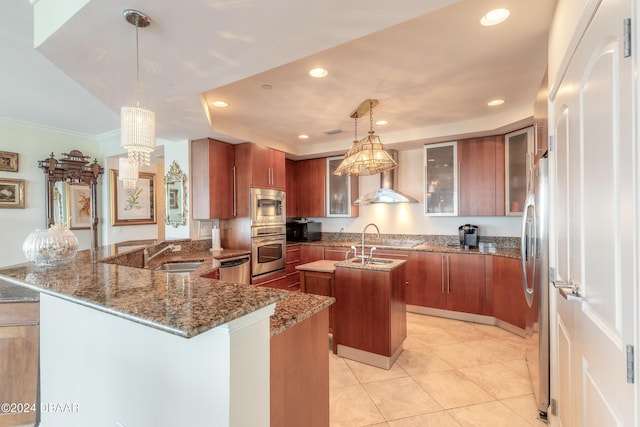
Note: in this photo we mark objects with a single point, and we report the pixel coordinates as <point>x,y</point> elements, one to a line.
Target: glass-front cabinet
<point>338,190</point>
<point>518,155</point>
<point>441,179</point>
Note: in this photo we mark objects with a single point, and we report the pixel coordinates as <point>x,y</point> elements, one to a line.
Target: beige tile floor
<point>450,374</point>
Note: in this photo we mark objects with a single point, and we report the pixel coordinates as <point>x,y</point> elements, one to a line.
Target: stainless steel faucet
<point>363,257</point>
<point>145,253</point>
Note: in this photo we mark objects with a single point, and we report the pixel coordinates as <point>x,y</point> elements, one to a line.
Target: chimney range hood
<point>388,192</point>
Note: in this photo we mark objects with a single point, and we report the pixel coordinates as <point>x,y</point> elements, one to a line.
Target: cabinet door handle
<point>442,273</point>
<point>448,276</point>
<point>235,194</point>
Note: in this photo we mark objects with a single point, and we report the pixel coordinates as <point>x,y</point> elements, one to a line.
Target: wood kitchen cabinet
<point>540,120</point>
<point>509,303</point>
<point>464,283</point>
<point>293,259</point>
<point>426,282</point>
<point>259,166</point>
<point>299,373</point>
<point>518,161</point>
<point>336,253</point>
<point>291,188</point>
<point>317,192</point>
<point>310,192</point>
<point>370,312</point>
<point>276,280</point>
<point>19,335</point>
<point>319,283</point>
<point>212,185</point>
<point>310,253</point>
<point>447,281</point>
<point>481,170</point>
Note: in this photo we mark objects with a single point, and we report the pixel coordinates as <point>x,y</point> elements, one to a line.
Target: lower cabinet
<point>464,283</point>
<point>426,280</point>
<point>335,253</point>
<point>276,280</point>
<point>447,281</point>
<point>300,374</point>
<point>294,258</point>
<point>310,253</point>
<point>19,335</point>
<point>509,304</point>
<point>319,283</point>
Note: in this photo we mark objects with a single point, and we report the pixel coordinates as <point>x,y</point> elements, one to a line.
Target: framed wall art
<point>12,193</point>
<point>8,161</point>
<point>133,206</point>
<point>79,206</point>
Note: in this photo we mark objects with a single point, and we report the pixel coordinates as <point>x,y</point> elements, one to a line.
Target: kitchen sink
<point>178,267</point>
<point>374,261</point>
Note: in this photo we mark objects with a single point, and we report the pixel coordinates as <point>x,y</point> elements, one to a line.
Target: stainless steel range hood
<point>388,192</point>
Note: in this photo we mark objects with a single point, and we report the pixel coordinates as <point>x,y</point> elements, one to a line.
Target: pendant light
<point>127,173</point>
<point>367,156</point>
<point>137,124</point>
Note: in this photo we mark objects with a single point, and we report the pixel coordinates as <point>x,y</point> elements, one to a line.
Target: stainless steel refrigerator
<point>535,271</point>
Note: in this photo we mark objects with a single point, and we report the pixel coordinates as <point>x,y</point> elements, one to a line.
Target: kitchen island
<point>129,346</point>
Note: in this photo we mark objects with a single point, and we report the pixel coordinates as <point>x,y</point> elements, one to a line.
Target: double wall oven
<point>268,231</point>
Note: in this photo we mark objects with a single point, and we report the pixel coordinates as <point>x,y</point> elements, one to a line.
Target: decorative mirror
<point>71,195</point>
<point>175,198</point>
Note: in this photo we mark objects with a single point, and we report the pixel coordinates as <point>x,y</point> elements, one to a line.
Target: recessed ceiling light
<point>318,72</point>
<point>303,136</point>
<point>495,102</point>
<point>494,17</point>
<point>220,104</point>
<point>382,122</point>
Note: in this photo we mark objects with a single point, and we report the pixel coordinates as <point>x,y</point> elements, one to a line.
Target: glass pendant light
<point>127,173</point>
<point>137,124</point>
<point>367,156</point>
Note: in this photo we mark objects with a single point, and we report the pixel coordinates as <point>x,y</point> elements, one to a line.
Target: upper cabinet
<point>518,157</point>
<point>260,166</point>
<point>540,119</point>
<point>465,177</point>
<point>481,176</point>
<point>311,188</point>
<point>441,179</point>
<point>212,179</point>
<point>341,191</point>
<point>314,191</point>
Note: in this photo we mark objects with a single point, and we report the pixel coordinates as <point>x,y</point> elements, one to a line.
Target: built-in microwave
<point>268,207</point>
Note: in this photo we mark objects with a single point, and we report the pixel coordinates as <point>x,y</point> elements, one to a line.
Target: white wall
<point>34,143</point>
<point>408,218</point>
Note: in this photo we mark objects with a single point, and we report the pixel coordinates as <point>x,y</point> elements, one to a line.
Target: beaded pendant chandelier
<point>137,124</point>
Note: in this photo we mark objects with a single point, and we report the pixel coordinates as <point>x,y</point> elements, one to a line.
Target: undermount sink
<point>374,261</point>
<point>178,267</point>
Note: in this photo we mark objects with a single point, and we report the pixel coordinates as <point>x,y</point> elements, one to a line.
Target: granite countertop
<point>296,308</point>
<point>183,304</point>
<point>356,263</point>
<point>421,247</point>
<point>14,293</point>
<point>322,266</point>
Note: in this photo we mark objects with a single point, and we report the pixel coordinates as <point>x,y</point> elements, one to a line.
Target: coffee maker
<point>468,235</point>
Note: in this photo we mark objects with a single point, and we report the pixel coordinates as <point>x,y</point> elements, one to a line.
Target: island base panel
<point>377,360</point>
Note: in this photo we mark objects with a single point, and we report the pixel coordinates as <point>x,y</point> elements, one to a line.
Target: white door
<point>592,234</point>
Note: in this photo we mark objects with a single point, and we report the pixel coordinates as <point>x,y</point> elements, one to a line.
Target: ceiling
<point>431,65</point>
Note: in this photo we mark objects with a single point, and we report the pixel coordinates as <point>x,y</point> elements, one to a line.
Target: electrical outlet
<point>177,248</point>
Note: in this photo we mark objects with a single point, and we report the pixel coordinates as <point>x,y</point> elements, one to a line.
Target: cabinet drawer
<point>19,313</point>
<point>292,281</point>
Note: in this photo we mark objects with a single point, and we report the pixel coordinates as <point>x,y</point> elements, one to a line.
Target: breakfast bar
<point>183,349</point>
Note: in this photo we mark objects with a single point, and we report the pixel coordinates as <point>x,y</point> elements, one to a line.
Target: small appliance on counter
<point>468,235</point>
<point>304,231</point>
